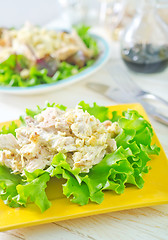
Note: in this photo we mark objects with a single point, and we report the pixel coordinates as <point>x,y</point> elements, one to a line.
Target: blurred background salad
<point>33,55</point>
<point>112,15</point>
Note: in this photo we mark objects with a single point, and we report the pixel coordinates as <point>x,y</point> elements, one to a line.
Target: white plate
<point>104,48</point>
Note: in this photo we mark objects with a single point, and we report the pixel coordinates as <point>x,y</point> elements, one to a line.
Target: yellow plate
<point>155,191</point>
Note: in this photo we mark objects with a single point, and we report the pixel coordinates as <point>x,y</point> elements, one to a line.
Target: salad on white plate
<point>33,58</point>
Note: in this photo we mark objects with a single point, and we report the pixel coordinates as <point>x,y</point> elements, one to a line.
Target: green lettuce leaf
<point>10,129</point>
<point>8,184</point>
<point>111,173</point>
<point>90,42</point>
<point>16,190</point>
<point>34,189</point>
<point>74,186</point>
<point>100,112</point>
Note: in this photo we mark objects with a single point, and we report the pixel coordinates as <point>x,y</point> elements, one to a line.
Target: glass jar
<point>111,13</point>
<point>144,43</point>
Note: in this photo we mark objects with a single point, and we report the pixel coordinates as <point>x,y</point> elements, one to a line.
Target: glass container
<point>111,13</point>
<point>144,43</point>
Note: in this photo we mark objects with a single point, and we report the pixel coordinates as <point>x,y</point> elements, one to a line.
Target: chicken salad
<point>92,151</point>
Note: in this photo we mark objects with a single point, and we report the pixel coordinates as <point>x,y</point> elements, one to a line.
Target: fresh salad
<point>32,55</point>
<point>91,148</point>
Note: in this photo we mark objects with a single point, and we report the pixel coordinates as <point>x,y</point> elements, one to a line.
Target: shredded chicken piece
<point>82,137</point>
<point>8,142</point>
<point>65,52</point>
<point>37,42</point>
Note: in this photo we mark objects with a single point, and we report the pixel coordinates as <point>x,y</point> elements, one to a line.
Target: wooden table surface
<point>140,224</point>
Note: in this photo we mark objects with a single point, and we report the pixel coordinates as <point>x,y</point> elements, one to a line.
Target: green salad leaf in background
<point>127,164</point>
<point>82,31</point>
<point>16,72</point>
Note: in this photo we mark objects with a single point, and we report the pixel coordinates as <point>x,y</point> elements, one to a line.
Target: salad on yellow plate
<point>92,149</point>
